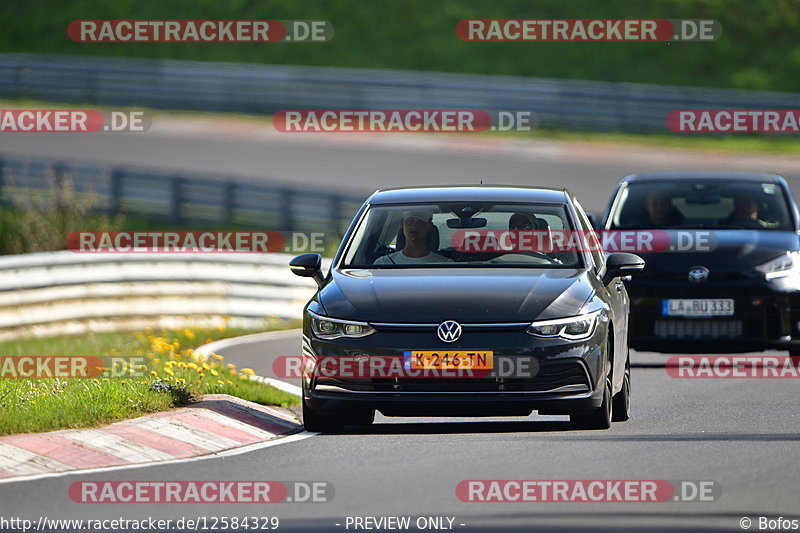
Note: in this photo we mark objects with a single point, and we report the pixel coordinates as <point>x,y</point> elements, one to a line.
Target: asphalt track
<point>740,433</point>
<point>361,163</point>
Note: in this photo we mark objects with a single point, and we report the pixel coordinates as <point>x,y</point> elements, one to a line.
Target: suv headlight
<point>782,266</point>
<point>572,328</point>
<point>330,328</point>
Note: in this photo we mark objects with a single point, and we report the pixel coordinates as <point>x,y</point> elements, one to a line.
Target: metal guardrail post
<point>228,202</point>
<point>287,214</point>
<point>176,199</point>
<point>117,177</point>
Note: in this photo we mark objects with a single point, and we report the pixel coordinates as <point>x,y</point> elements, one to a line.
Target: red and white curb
<point>216,424</point>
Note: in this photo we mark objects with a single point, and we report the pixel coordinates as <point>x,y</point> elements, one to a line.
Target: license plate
<point>448,360</point>
<point>697,307</point>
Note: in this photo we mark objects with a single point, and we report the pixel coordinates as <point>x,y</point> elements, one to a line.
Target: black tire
<point>600,418</point>
<point>314,421</point>
<point>621,405</point>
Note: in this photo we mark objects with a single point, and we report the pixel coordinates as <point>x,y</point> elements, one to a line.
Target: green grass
<point>758,48</point>
<point>35,405</point>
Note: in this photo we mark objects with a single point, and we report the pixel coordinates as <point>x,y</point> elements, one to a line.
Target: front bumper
<point>553,376</point>
<point>766,315</point>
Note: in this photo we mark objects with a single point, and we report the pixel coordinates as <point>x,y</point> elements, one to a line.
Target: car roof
<point>706,176</point>
<point>469,193</point>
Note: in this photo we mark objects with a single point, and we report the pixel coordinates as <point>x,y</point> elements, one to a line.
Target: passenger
<point>659,212</point>
<point>417,227</point>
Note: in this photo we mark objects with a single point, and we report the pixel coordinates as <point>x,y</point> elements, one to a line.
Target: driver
<point>745,212</point>
<point>416,224</point>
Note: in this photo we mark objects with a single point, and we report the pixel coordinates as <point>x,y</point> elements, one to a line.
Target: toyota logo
<point>449,331</point>
<point>698,274</point>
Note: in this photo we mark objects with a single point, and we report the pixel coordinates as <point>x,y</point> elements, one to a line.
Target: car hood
<point>465,295</point>
<point>731,251</point>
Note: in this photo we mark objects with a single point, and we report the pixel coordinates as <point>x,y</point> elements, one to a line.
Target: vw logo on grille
<point>698,274</point>
<point>449,331</point>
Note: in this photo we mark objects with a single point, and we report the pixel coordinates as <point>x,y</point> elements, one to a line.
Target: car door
<point>614,294</point>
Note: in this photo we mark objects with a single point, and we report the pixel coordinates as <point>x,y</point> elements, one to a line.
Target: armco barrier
<point>256,88</point>
<point>65,292</point>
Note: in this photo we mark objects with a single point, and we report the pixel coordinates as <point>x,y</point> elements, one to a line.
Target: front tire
<point>314,421</point>
<point>621,407</point>
<point>600,418</point>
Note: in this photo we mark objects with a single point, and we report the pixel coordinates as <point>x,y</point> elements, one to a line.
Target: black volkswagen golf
<point>729,278</point>
<point>410,321</point>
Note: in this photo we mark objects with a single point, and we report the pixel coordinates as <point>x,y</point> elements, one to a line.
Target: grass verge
<point>173,375</point>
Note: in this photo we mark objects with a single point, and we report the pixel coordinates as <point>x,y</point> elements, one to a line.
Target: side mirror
<point>620,264</point>
<point>308,266</point>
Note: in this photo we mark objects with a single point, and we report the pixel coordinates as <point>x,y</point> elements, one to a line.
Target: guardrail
<point>178,197</point>
<point>58,293</point>
<point>255,88</point>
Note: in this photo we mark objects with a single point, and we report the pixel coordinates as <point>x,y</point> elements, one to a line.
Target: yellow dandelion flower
<point>180,380</point>
<point>248,371</point>
<point>243,378</point>
<point>206,366</point>
<point>122,382</point>
<point>219,382</point>
<point>169,371</point>
<point>139,335</point>
<point>231,366</point>
<point>230,382</point>
<point>217,356</point>
<point>153,373</point>
<point>214,372</point>
<point>189,334</point>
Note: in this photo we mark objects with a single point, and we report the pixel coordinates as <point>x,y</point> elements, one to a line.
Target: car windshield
<point>710,204</point>
<point>452,235</point>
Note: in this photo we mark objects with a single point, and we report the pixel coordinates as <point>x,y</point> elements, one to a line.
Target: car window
<point>715,204</point>
<point>598,257</point>
<point>458,234</point>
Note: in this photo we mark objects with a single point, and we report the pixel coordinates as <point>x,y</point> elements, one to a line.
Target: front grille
<point>550,377</point>
<point>698,329</point>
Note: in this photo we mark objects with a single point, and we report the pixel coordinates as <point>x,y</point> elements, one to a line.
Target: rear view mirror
<point>466,223</point>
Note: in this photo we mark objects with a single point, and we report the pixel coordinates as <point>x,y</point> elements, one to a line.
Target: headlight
<point>572,328</point>
<point>329,328</point>
<point>782,266</point>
